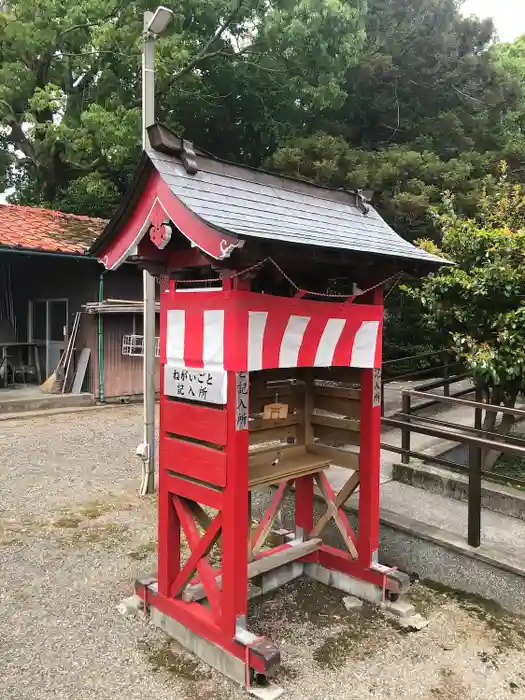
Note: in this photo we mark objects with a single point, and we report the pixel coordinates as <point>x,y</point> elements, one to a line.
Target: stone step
<point>42,402</point>
<point>496,497</point>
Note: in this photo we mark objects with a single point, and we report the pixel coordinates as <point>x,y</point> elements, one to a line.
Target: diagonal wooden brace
<point>335,510</point>
<point>266,524</point>
<point>200,548</point>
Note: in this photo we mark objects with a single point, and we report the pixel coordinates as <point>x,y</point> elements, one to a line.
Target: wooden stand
<point>212,455</point>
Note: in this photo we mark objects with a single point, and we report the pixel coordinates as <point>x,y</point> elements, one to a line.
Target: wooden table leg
<point>37,364</point>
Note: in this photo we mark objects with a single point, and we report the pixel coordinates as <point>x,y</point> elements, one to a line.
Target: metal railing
<point>478,442</point>
<point>445,367</point>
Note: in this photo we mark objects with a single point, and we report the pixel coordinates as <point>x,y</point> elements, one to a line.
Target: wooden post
<point>369,471</point>
<point>474,482</point>
<point>304,486</point>
<point>370,460</point>
<point>446,363</point>
<point>236,523</point>
<point>236,526</point>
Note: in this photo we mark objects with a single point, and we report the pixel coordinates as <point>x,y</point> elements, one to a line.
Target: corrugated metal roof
<point>257,204</point>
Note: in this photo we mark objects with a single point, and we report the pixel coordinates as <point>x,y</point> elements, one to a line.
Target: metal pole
<point>474,482</point>
<point>405,432</point>
<point>148,80</point>
<point>148,118</point>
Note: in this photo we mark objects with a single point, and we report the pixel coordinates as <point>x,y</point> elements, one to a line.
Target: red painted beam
<point>194,421</point>
<point>200,493</point>
<point>193,460</point>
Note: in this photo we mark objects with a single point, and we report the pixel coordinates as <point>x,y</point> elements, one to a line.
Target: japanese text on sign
<point>241,401</point>
<point>207,386</point>
<point>376,400</point>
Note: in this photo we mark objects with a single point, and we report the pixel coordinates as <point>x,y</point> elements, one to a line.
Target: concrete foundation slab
<point>214,656</point>
<point>279,577</point>
<point>344,582</point>
<point>32,399</point>
<point>266,692</point>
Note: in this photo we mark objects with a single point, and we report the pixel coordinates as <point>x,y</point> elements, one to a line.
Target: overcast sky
<point>509,15</point>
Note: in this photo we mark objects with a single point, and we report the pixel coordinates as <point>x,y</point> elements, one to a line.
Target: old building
<point>46,279</point>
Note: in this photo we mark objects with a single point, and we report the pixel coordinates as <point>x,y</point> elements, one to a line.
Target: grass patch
<point>424,598</point>
<point>67,521</point>
<point>362,636</point>
<point>143,551</point>
<point>508,628</point>
<point>167,657</point>
<point>513,467</point>
<point>95,509</point>
<point>108,533</point>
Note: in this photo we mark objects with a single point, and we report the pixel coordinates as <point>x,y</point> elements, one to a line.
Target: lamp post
<point>154,24</point>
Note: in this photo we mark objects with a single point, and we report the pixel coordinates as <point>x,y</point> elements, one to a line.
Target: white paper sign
<point>194,384</point>
<point>241,401</point>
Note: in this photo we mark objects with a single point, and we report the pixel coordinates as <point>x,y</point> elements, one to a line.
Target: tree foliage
<point>428,108</point>
<point>238,74</point>
<point>405,98</point>
<point>478,304</point>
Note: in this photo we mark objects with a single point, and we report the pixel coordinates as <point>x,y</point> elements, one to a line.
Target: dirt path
<point>74,536</point>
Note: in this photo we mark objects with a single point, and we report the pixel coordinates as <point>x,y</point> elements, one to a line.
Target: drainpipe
<point>101,340</point>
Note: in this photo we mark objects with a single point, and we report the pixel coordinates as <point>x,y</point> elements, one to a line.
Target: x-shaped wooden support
<point>268,520</point>
<point>200,547</point>
<point>335,510</point>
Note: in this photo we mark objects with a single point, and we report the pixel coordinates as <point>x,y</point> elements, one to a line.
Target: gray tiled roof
<point>253,203</point>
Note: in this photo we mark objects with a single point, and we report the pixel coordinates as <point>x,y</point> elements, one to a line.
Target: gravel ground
<point>74,536</point>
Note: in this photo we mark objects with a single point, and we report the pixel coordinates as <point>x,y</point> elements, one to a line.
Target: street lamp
<point>160,20</point>
<point>154,24</point>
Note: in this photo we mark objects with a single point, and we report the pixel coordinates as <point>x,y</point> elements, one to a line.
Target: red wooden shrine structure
<point>267,380</point>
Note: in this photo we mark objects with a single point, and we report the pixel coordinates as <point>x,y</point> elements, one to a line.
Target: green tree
<point>239,74</point>
<point>479,303</point>
<point>428,108</point>
<point>511,58</point>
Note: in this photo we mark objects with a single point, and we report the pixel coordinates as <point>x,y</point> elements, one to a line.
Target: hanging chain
<point>305,292</point>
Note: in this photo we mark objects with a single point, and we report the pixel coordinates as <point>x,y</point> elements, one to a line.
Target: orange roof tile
<point>29,228</point>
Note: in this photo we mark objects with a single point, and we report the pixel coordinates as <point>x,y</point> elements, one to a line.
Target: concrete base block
<point>131,606</point>
<point>318,573</point>
<point>214,656</point>
<point>401,608</point>
<point>344,582</point>
<point>279,577</point>
<point>266,692</point>
<point>414,623</point>
<point>352,603</point>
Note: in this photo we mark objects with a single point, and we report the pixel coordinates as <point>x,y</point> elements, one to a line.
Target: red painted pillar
<point>168,548</point>
<point>235,527</point>
<point>370,458</point>
<point>168,538</point>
